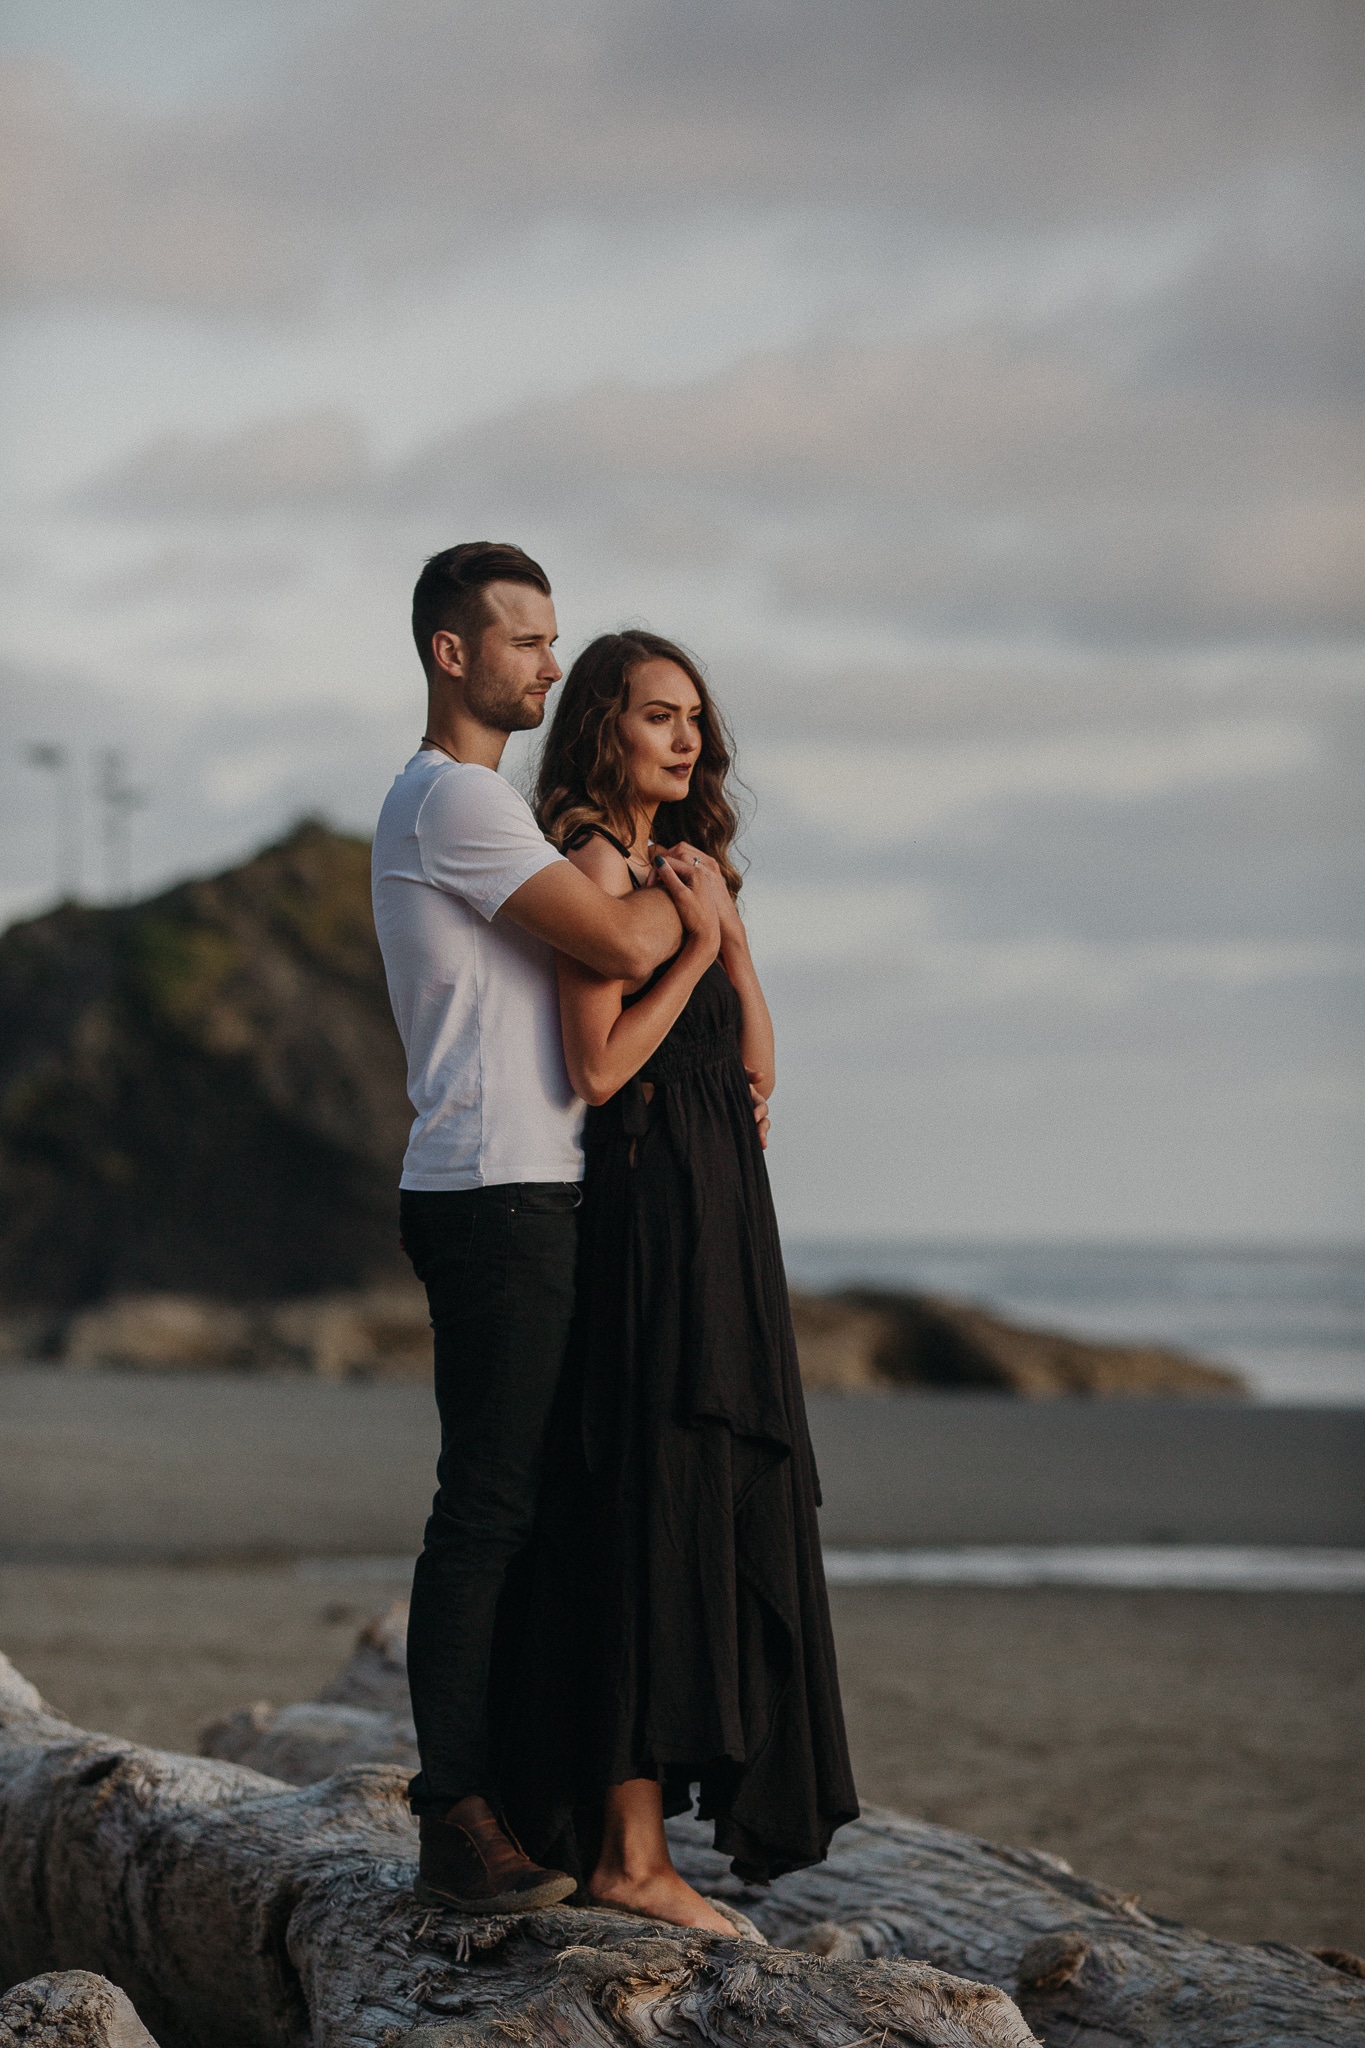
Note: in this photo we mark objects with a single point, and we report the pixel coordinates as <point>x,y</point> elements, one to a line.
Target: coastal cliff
<point>204,1092</point>
<point>202,1116</point>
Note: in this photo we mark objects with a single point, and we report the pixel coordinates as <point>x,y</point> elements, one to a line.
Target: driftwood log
<point>363,1716</point>
<point>1086,1965</point>
<point>239,1912</point>
<point>70,2009</point>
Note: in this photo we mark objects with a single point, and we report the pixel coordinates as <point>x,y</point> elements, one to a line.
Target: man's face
<point>511,669</point>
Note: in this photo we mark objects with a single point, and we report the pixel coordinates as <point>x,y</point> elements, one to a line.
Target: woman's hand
<point>696,893</point>
<point>685,867</point>
<point>732,932</point>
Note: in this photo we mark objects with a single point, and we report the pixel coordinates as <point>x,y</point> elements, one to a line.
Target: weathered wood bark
<point>1086,1965</point>
<point>309,1740</point>
<point>1088,1968</point>
<point>239,1912</point>
<point>70,2009</point>
<point>363,1716</point>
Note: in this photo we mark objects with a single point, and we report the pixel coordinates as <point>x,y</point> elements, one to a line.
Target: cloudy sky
<point>975,385</point>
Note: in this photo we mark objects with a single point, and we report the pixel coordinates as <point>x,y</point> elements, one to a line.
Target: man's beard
<point>500,705</point>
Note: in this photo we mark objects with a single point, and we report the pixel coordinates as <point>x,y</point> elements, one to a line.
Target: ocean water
<point>1291,1318</point>
<point>1129,1567</point>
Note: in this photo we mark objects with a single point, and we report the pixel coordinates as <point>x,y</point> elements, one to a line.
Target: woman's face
<point>661,731</point>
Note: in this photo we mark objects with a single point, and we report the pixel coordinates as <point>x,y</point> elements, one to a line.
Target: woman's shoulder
<point>601,858</point>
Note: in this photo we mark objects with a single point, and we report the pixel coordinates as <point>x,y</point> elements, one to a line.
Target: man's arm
<point>622,937</point>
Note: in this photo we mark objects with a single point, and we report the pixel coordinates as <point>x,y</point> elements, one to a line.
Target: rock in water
<point>70,2009</point>
<point>865,1338</point>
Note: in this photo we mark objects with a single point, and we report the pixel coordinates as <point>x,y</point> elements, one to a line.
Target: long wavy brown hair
<point>584,778</point>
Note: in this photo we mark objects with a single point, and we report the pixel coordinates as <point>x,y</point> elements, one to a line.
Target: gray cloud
<point>302,460</point>
<point>406,132</point>
<point>978,420</point>
<point>1026,108</point>
<point>101,204</point>
<point>950,487</point>
<point>1030,568</point>
<point>190,575</point>
<point>1272,308</point>
<point>218,782</point>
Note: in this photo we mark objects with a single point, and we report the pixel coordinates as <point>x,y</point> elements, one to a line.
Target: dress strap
<point>587,832</point>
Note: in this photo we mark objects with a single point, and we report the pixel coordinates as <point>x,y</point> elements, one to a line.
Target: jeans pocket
<point>551,1198</point>
<point>437,1233</point>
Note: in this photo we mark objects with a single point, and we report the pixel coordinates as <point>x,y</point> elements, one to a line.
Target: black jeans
<point>498,1267</point>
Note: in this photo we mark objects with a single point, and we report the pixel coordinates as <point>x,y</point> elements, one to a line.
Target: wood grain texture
<point>239,1912</point>
<point>70,2009</point>
<point>1085,1964</point>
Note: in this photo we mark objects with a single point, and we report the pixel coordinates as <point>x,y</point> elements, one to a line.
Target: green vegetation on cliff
<point>203,1091</point>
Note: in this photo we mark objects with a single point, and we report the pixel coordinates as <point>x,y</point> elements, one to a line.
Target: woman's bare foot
<point>635,1870</point>
<point>663,1895</point>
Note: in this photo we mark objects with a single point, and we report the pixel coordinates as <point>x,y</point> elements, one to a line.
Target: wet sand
<point>1205,1751</point>
<point>136,1467</point>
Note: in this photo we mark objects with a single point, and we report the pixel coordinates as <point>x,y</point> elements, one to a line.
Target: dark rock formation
<point>202,1115</point>
<point>865,1338</point>
<point>202,1093</point>
<point>907,1340</point>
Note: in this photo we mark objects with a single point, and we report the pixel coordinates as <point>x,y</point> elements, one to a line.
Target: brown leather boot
<point>468,1861</point>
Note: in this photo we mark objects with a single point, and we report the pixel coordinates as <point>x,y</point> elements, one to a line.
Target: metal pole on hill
<point>119,800</point>
<point>60,763</point>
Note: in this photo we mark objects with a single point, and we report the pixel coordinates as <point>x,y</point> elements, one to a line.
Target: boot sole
<point>552,1893</point>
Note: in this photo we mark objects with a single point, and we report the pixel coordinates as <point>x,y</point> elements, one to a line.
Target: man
<point>469,901</point>
<point>469,904</point>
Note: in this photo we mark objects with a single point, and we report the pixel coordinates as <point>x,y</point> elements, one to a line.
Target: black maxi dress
<point>672,1621</point>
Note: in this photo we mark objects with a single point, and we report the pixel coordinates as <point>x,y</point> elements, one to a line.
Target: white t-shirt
<point>474,996</point>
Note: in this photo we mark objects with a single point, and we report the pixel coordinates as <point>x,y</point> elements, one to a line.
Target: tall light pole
<point>60,763</point>
<point>120,800</point>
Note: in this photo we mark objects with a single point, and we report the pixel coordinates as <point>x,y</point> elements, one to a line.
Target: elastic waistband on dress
<point>689,1056</point>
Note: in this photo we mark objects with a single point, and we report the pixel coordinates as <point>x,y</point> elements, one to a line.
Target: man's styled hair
<point>448,597</point>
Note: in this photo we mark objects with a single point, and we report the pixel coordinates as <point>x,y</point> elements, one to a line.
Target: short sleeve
<point>478,839</point>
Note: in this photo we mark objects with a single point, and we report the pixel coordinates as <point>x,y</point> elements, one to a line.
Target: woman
<point>679,1630</point>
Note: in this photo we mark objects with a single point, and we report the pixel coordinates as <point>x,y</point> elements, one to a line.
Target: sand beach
<point>175,1546</point>
<point>1201,1750</point>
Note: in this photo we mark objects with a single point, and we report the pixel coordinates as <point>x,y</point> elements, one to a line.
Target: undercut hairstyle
<point>584,778</point>
<point>448,597</point>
